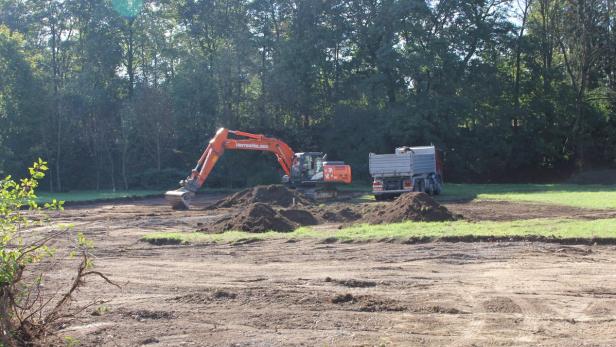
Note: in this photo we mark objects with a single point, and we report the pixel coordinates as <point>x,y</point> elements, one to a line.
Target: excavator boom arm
<point>251,142</point>
<point>283,152</point>
<point>215,149</point>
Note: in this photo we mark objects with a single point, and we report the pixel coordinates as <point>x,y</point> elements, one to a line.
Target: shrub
<point>26,313</point>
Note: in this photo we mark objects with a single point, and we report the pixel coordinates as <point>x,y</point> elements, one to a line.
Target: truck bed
<point>390,165</point>
<point>418,161</point>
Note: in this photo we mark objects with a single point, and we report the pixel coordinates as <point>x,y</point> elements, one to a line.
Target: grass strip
<point>93,195</point>
<point>459,230</point>
<point>582,196</point>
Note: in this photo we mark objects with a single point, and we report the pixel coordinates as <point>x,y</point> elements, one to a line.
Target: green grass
<point>91,195</point>
<point>557,228</point>
<point>584,196</point>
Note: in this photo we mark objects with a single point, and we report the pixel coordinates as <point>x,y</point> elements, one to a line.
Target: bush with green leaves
<point>27,313</point>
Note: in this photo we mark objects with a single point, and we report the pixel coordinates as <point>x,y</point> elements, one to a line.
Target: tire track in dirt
<point>276,292</point>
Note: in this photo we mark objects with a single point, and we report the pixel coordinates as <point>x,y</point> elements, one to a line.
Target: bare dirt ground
<point>338,294</point>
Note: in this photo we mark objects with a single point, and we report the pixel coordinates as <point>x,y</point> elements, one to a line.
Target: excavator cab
<point>316,177</point>
<point>307,168</point>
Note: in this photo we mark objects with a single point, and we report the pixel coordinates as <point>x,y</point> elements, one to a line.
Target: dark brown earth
<point>274,194</point>
<point>256,218</point>
<point>311,292</point>
<point>259,209</point>
<point>419,207</point>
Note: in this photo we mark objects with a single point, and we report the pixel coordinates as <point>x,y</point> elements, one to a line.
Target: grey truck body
<point>407,169</point>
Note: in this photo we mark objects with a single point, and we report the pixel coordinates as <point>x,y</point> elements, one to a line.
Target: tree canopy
<point>126,93</point>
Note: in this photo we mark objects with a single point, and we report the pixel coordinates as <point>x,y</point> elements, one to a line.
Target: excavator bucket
<point>179,199</point>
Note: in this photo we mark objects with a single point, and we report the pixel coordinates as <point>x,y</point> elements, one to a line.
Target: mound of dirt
<point>353,283</point>
<point>256,218</point>
<point>501,305</point>
<point>340,214</point>
<point>301,217</point>
<point>418,207</point>
<point>436,309</point>
<point>278,195</point>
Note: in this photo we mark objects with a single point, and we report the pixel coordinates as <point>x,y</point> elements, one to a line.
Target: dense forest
<point>126,93</point>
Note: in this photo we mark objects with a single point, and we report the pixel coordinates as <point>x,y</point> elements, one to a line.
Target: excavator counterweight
<point>308,169</point>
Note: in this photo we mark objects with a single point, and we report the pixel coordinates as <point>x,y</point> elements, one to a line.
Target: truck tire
<point>420,186</point>
<point>437,189</point>
<point>429,186</point>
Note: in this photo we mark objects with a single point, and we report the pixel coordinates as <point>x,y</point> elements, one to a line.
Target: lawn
<point>91,195</point>
<point>557,228</point>
<point>584,196</point>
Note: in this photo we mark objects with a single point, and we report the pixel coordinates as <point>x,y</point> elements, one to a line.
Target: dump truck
<point>409,169</point>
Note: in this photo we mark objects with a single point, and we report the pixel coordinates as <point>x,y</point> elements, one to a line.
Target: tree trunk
<point>518,55</point>
<point>158,155</point>
<point>129,59</point>
<point>98,171</point>
<point>112,167</point>
<point>124,158</point>
<point>56,98</point>
<point>59,153</point>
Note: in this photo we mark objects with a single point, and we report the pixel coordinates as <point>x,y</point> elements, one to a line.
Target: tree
<point>21,101</point>
<point>503,86</point>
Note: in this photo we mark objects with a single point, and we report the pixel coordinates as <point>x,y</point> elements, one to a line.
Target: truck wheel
<point>437,189</point>
<point>421,186</point>
<point>430,187</point>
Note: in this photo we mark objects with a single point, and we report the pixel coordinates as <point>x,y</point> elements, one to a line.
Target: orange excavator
<point>309,172</point>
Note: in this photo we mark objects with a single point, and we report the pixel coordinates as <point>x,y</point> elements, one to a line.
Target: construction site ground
<point>313,292</point>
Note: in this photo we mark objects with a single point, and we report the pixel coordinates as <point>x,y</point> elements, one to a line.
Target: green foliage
<point>127,8</point>
<point>70,341</point>
<point>156,179</point>
<point>26,312</point>
<point>511,91</point>
<point>15,253</point>
<point>20,101</point>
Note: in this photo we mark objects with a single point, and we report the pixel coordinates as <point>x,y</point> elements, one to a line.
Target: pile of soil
<point>419,207</point>
<point>341,214</point>
<point>275,194</point>
<point>277,208</point>
<point>264,208</point>
<point>301,217</point>
<point>501,305</point>
<point>256,218</point>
